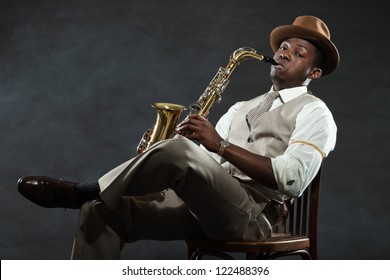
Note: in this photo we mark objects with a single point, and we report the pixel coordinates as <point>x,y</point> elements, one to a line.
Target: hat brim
<point>328,49</point>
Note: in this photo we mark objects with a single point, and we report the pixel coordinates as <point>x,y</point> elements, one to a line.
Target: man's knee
<point>179,148</point>
<point>177,152</point>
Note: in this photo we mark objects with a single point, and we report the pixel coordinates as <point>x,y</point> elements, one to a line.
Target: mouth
<point>280,65</point>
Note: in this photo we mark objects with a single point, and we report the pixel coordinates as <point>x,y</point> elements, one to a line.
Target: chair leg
<point>251,256</point>
<point>190,252</point>
<point>302,253</point>
<point>198,255</point>
<point>263,256</point>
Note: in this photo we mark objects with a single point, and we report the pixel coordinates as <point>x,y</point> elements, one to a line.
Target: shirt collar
<point>291,93</point>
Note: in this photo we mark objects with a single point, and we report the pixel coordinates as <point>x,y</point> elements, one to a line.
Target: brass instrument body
<point>168,113</point>
<point>213,92</point>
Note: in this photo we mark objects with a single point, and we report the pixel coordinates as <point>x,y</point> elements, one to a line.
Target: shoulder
<point>317,114</point>
<point>315,104</point>
<point>310,97</point>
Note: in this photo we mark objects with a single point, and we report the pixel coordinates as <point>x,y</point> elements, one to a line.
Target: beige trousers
<point>202,200</point>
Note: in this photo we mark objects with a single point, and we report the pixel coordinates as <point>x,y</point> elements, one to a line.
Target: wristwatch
<point>222,146</point>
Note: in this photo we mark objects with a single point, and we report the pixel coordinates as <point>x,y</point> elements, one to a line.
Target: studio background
<point>77,79</point>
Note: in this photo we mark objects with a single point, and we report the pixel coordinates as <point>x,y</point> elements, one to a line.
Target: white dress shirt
<point>313,138</point>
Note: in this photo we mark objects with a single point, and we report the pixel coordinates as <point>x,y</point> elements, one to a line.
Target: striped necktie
<point>263,107</point>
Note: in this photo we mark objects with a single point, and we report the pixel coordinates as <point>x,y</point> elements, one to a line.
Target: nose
<point>283,56</point>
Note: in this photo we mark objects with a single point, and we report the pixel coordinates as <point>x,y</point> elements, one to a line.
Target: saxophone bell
<point>167,117</point>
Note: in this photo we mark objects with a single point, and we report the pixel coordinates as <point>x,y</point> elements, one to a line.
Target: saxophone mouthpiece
<point>270,60</point>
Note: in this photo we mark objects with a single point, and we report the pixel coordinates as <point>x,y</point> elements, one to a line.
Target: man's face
<point>296,58</point>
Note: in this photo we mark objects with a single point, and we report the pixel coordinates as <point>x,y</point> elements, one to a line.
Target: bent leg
<point>222,206</point>
<point>102,232</point>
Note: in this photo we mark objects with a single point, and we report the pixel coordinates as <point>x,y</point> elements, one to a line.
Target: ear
<point>315,73</point>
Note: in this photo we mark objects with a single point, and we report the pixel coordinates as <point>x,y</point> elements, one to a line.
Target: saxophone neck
<point>213,92</point>
<point>244,53</point>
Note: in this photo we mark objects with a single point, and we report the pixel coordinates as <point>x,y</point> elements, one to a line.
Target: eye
<point>282,48</point>
<point>298,54</point>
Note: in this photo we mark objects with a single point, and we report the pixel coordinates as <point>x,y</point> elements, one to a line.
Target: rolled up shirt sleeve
<point>313,138</point>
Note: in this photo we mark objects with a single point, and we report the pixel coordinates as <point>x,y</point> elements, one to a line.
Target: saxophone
<point>169,113</point>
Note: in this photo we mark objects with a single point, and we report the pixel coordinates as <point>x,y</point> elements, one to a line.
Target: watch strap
<point>222,146</point>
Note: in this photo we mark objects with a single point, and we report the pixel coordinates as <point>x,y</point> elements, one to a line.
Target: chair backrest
<point>302,218</point>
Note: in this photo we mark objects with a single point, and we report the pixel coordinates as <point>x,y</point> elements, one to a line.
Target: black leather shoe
<point>48,192</point>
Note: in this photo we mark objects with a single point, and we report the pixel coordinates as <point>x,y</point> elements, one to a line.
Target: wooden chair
<point>296,235</point>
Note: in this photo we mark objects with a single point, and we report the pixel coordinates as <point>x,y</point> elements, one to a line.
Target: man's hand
<point>197,127</point>
<point>258,167</point>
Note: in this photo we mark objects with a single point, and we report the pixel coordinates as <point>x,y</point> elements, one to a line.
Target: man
<point>260,158</point>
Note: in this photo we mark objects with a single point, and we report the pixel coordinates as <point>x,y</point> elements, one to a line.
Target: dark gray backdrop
<point>78,77</point>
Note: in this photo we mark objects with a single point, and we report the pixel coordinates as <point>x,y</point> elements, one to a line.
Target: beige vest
<point>269,137</point>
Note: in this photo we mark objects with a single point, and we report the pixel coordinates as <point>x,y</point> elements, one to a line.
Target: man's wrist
<point>223,144</point>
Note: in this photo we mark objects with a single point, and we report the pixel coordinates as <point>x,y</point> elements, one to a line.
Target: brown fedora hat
<point>313,30</point>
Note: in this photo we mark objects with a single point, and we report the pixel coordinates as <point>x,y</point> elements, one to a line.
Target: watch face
<point>225,143</point>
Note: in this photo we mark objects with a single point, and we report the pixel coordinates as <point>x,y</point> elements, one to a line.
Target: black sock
<point>87,191</point>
